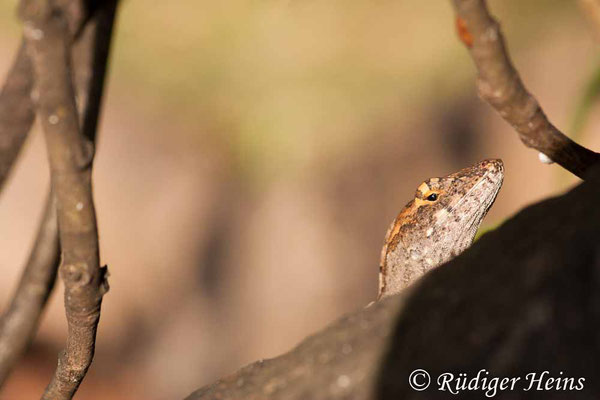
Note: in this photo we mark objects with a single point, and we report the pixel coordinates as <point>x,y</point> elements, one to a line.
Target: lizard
<point>439,223</point>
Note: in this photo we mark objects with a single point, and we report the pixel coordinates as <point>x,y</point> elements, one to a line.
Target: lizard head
<point>440,222</point>
<point>453,206</point>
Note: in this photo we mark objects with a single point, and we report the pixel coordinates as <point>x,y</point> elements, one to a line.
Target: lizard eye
<point>432,197</point>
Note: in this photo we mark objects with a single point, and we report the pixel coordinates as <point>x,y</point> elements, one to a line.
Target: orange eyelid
<point>424,191</point>
<point>419,202</point>
<point>423,200</point>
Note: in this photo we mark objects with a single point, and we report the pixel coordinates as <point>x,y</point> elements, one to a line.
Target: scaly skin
<point>438,224</point>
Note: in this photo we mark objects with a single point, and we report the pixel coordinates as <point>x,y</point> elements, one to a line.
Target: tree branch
<point>70,154</point>
<point>90,56</point>
<point>499,84</point>
<point>16,112</point>
<point>16,107</point>
<point>19,323</point>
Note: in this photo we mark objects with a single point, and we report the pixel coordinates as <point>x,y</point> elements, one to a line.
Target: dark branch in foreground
<point>90,56</point>
<point>70,154</point>
<point>499,84</point>
<point>524,298</point>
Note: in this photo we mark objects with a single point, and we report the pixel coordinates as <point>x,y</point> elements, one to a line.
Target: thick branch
<point>524,298</point>
<point>70,155</point>
<point>500,85</point>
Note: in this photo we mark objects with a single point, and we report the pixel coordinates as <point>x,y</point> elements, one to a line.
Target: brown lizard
<point>438,224</point>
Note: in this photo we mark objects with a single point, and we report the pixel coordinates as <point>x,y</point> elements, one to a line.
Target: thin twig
<point>16,107</point>
<point>19,323</point>
<point>70,155</point>
<point>500,85</point>
<point>16,112</point>
<point>90,55</point>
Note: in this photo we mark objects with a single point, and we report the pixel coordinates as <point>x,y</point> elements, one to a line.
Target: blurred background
<point>251,156</point>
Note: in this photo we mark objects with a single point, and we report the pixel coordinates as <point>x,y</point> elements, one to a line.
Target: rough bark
<point>524,298</point>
